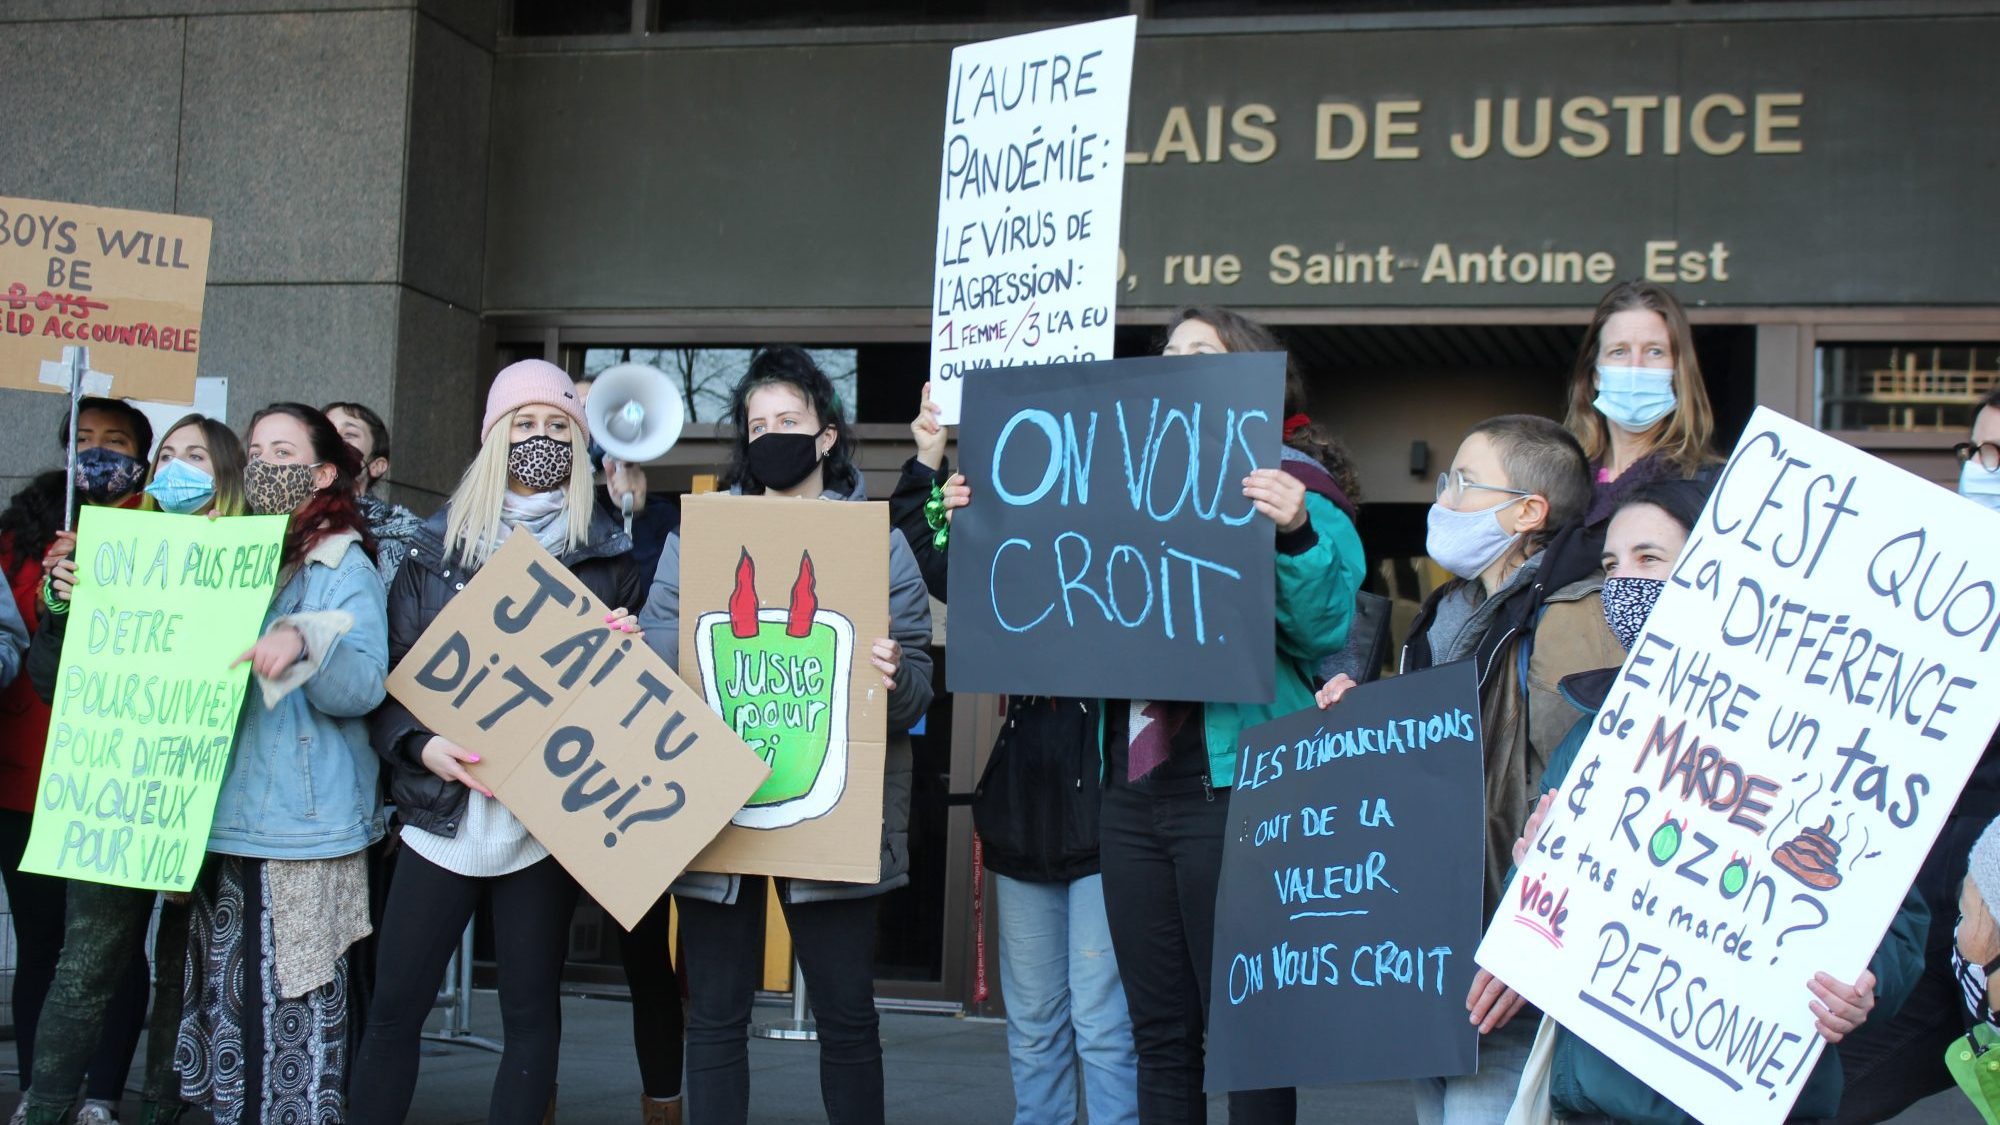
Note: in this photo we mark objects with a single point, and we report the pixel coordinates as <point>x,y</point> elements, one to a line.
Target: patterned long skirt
<point>246,1054</point>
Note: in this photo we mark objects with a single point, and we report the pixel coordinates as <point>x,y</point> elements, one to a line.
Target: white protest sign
<point>1769,770</point>
<point>1029,200</point>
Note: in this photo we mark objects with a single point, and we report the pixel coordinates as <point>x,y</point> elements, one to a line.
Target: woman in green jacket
<point>1168,766</point>
<point>1642,542</point>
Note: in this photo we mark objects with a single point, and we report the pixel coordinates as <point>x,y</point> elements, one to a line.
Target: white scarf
<point>545,515</point>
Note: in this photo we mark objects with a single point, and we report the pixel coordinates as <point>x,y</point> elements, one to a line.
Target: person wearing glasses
<point>1515,480</point>
<point>1893,1063</point>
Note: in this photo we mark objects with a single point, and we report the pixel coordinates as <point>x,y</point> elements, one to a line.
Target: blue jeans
<point>1064,1003</point>
<point>1485,1096</point>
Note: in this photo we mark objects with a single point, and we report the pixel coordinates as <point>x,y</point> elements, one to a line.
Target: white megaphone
<point>636,414</point>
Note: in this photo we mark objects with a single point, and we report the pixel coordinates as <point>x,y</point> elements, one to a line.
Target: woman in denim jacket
<point>284,894</point>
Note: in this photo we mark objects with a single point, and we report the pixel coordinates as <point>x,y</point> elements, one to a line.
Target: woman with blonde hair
<point>198,470</point>
<point>531,476</point>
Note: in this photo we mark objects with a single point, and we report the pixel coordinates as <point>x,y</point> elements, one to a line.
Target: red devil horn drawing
<point>805,601</point>
<point>743,599</point>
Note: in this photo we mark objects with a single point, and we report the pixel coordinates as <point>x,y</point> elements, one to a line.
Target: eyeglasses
<point>1452,486</point>
<point>1986,453</point>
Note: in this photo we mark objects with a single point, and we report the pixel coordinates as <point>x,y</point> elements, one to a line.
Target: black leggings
<point>1162,860</point>
<point>427,912</point>
<point>835,944</point>
<point>657,1023</point>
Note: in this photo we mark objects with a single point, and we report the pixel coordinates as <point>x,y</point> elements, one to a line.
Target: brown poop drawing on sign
<point>1812,857</point>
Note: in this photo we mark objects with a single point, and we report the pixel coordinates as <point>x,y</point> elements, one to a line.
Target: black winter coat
<point>1037,804</point>
<point>424,583</point>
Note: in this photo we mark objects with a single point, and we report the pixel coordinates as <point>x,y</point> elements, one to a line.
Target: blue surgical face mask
<point>181,488</point>
<point>1980,485</point>
<point>1634,398</point>
<point>1466,543</point>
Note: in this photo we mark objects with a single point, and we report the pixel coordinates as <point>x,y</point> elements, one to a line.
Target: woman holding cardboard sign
<point>531,477</point>
<point>792,441</point>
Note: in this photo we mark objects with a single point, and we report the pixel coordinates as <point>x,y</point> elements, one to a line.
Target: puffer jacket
<point>910,626</point>
<point>302,781</point>
<point>1583,1080</point>
<point>425,582</point>
<point>1534,639</point>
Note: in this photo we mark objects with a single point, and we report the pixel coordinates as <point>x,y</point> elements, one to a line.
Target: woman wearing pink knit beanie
<point>532,476</point>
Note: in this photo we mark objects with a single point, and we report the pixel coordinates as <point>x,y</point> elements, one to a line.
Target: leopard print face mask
<point>276,490</point>
<point>541,462</point>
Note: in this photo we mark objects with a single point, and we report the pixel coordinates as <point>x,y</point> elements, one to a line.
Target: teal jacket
<point>1317,581</point>
<point>1584,1080</point>
<point>1319,571</point>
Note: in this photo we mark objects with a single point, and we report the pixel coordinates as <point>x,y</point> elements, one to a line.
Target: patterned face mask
<point>1627,604</point>
<point>105,476</point>
<point>541,462</point>
<point>277,490</point>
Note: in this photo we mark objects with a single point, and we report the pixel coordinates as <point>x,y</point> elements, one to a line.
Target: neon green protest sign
<point>146,702</point>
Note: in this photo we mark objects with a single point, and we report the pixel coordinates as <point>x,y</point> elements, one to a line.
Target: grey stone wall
<point>340,147</point>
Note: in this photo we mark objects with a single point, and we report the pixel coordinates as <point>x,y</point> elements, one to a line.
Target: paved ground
<point>940,1069</point>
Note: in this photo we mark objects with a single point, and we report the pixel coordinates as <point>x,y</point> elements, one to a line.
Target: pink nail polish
<point>474,758</point>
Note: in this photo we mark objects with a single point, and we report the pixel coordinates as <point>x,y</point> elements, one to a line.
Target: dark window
<point>1180,9</point>
<point>571,17</point>
<point>704,15</point>
<point>1906,388</point>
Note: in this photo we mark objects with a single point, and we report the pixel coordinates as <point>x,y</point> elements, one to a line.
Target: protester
<point>1644,537</point>
<point>79,956</point>
<point>1514,481</point>
<point>393,525</point>
<point>1161,833</point>
<point>113,440</point>
<point>792,440</point>
<point>265,1036</point>
<point>530,476</point>
<point>1975,955</point>
<point>1894,1063</point>
<point>1036,810</point>
<point>29,528</point>
<point>198,470</point>
<point>1638,405</point>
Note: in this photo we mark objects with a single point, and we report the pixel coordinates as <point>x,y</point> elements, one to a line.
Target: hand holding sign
<point>147,699</point>
<point>1790,728</point>
<point>543,698</point>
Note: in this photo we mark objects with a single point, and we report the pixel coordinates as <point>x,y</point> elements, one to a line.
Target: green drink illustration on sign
<point>779,678</point>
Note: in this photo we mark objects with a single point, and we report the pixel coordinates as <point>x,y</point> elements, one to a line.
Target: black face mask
<point>779,461</point>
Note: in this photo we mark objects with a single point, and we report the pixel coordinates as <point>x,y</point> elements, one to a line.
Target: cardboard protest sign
<point>128,285</point>
<point>1032,180</point>
<point>585,734</point>
<point>1782,745</point>
<point>1108,549</point>
<point>781,602</point>
<point>146,703</point>
<point>1350,890</point>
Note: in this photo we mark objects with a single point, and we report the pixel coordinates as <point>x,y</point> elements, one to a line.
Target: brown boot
<point>660,1111</point>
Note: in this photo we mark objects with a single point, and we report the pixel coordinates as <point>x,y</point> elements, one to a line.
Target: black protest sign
<point>1351,891</point>
<point>1109,549</point>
